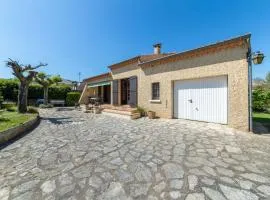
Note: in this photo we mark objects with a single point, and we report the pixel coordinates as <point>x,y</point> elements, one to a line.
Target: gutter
<point>249,60</point>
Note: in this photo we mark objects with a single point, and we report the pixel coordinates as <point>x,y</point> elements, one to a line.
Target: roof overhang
<point>211,48</point>
<point>107,76</point>
<point>124,63</point>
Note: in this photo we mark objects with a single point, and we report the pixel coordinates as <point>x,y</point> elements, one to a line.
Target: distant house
<point>67,82</point>
<point>209,83</point>
<point>73,84</point>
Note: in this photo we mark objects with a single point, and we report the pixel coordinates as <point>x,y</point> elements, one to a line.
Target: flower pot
<point>151,114</point>
<point>135,115</point>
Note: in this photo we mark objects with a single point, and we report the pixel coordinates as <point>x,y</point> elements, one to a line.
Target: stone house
<point>209,83</point>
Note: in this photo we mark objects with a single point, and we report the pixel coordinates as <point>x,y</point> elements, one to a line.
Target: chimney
<point>157,48</point>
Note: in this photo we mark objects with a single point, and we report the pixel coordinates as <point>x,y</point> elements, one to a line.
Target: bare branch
<point>29,67</point>
<point>19,69</point>
<point>41,65</point>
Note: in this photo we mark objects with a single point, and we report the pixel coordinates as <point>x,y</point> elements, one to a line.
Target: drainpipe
<point>249,59</point>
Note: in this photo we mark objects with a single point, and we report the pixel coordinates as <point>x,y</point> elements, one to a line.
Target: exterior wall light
<point>257,58</point>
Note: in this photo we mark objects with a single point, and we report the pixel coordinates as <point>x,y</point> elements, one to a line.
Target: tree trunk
<point>22,97</point>
<point>46,91</point>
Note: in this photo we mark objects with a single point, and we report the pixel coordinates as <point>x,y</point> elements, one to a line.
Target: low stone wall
<point>18,130</point>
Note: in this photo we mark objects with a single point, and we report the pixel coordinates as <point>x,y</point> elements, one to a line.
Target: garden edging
<point>18,130</point>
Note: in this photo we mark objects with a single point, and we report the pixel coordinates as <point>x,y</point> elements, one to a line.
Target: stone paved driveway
<point>73,155</point>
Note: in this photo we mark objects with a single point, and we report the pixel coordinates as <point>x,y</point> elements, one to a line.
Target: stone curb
<point>18,130</point>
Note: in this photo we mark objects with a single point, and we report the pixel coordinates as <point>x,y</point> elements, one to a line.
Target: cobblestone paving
<point>74,155</point>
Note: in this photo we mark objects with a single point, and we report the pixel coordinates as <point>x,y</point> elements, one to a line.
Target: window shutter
<point>132,91</point>
<point>115,92</point>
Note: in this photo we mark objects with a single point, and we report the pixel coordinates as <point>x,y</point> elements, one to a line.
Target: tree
<point>25,75</point>
<point>267,78</point>
<point>46,81</point>
<point>56,79</point>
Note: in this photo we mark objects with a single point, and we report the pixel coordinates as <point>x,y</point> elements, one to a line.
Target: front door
<point>129,91</point>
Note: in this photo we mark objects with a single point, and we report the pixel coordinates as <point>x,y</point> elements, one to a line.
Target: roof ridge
<point>248,35</point>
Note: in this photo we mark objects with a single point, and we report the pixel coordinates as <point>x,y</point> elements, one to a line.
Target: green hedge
<point>59,92</point>
<point>35,91</point>
<point>72,98</point>
<point>10,90</point>
<point>261,99</point>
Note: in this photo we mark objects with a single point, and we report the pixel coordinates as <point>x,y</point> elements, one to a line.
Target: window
<point>155,91</point>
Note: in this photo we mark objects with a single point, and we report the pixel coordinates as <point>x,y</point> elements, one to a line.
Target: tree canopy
<point>46,80</point>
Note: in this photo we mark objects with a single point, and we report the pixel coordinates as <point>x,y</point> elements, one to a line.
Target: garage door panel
<point>208,99</point>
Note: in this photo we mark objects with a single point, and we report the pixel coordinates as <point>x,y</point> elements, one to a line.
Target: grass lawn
<point>11,119</point>
<point>261,117</point>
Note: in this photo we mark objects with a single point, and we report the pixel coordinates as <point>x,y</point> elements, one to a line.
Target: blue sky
<point>86,36</point>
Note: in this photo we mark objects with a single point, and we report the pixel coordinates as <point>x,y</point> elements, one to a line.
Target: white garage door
<point>201,99</point>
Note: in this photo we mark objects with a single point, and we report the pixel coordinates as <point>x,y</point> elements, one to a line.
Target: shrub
<point>11,109</point>
<point>261,99</point>
<point>32,110</point>
<point>58,92</point>
<point>141,110</point>
<point>8,105</point>
<point>45,106</point>
<point>72,98</point>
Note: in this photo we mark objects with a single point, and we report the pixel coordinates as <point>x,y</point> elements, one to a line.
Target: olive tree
<point>56,79</point>
<point>46,81</point>
<point>25,75</point>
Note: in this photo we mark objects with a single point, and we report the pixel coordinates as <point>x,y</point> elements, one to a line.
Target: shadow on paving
<point>64,109</point>
<point>58,120</point>
<point>2,146</point>
<point>261,128</point>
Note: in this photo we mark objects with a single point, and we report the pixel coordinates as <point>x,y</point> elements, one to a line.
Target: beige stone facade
<point>231,62</point>
<point>227,58</point>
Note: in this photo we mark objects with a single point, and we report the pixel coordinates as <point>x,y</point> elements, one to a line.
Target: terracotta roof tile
<point>139,59</point>
<point>145,58</point>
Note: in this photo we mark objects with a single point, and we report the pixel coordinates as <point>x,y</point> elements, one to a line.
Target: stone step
<point>121,113</point>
